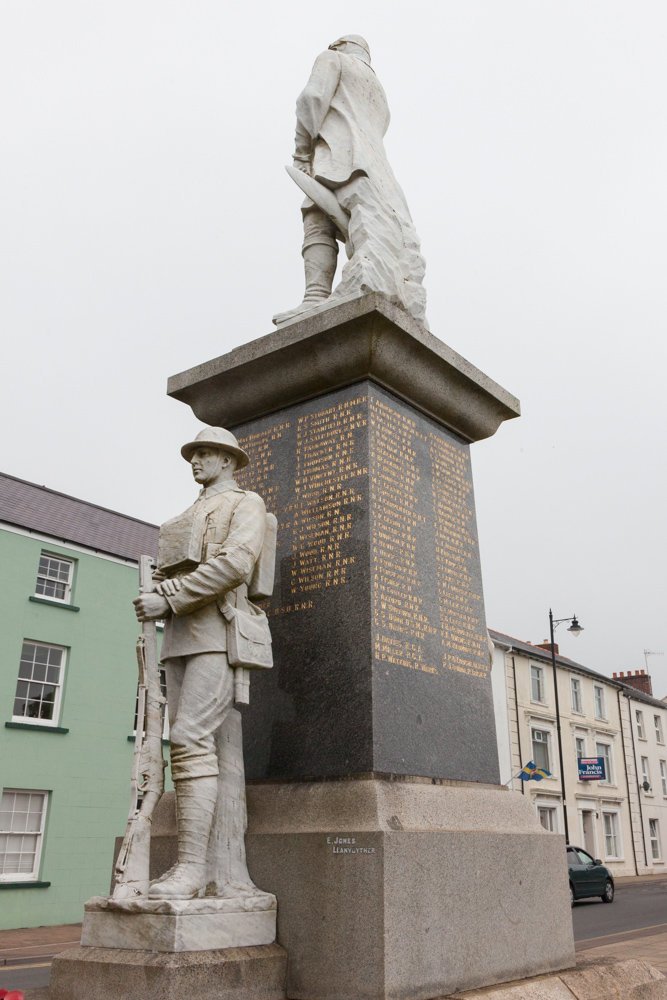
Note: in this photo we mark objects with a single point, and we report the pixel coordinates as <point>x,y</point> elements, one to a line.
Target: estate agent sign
<point>591,769</point>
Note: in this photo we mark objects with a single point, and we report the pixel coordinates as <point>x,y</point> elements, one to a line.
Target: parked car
<point>588,876</point>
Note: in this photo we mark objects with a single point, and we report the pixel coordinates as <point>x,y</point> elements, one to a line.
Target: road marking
<point>634,932</point>
<point>11,968</point>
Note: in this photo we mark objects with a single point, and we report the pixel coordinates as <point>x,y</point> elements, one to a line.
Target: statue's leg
<point>226,868</point>
<point>204,701</point>
<point>320,255</point>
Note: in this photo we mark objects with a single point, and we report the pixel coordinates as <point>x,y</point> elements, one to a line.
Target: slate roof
<point>537,653</point>
<point>68,519</point>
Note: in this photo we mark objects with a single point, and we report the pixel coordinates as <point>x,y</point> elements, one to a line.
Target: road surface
<point>637,904</point>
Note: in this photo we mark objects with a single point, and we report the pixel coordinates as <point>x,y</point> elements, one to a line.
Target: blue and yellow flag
<point>530,771</point>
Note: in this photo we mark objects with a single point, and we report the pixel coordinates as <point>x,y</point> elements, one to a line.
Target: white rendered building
<point>614,819</point>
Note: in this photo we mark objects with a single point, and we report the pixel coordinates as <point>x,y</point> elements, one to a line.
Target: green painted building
<point>68,681</point>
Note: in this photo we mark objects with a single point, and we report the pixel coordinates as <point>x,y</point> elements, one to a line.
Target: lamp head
<point>575,628</point>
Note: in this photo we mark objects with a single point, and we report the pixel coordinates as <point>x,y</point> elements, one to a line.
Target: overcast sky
<point>148,225</point>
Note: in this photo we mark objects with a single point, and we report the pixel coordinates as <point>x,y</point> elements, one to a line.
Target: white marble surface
<point>342,117</point>
<point>192,930</point>
<point>250,903</point>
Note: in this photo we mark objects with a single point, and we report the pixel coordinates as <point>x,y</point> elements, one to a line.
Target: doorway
<point>588,826</point>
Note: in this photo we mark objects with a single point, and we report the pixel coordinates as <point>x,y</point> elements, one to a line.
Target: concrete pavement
<point>647,943</point>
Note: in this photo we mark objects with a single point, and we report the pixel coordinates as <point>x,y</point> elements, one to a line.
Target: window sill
<point>165,743</point>
<point>31,725</point>
<point>24,885</point>
<point>53,604</point>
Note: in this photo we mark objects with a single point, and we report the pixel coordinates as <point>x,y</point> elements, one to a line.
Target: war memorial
<point>341,833</point>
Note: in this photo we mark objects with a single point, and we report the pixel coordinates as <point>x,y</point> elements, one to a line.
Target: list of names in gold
<point>259,475</point>
<point>402,628</point>
<point>326,489</point>
<point>459,591</point>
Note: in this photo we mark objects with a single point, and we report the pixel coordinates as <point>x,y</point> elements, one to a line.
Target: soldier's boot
<point>319,261</point>
<point>195,806</point>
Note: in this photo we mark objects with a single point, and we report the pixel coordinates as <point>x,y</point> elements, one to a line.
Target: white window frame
<point>654,838</point>
<point>610,772</point>
<point>646,773</point>
<point>67,599</point>
<point>577,695</point>
<point>32,876</point>
<point>552,816</point>
<point>30,720</point>
<point>657,725</point>
<point>579,739</point>
<point>615,824</point>
<point>548,743</point>
<point>639,721</point>
<point>663,776</point>
<point>541,683</point>
<point>602,714</point>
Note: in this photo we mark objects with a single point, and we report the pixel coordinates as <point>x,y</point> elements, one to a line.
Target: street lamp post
<point>575,628</point>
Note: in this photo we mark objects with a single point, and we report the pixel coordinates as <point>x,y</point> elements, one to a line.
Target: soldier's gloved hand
<point>168,587</point>
<point>302,165</point>
<point>150,607</point>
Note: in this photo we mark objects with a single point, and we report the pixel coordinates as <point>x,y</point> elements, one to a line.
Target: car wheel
<point>608,894</point>
<point>571,894</point>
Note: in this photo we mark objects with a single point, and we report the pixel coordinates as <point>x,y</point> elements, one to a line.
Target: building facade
<point>611,818</point>
<point>645,726</point>
<point>68,681</point>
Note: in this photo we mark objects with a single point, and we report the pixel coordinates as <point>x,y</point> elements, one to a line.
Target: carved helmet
<point>216,437</point>
<point>356,40</point>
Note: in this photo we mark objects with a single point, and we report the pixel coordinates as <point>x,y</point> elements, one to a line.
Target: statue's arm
<point>231,567</point>
<point>313,104</point>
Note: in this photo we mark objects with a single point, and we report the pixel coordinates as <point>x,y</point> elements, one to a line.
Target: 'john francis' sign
<point>591,769</point>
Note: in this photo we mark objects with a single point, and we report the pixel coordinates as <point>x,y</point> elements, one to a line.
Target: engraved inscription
<point>348,845</point>
<point>423,549</point>
<point>460,603</point>
<point>315,467</point>
<point>326,469</point>
<point>401,622</point>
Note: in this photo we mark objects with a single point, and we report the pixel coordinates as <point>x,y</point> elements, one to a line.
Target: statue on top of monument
<point>352,195</point>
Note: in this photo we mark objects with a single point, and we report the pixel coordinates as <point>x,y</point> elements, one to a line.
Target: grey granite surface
<point>364,337</point>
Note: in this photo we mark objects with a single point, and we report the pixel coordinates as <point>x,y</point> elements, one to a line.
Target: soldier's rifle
<point>147,782</point>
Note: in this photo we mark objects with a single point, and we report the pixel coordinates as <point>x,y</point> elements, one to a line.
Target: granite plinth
<point>179,925</point>
<point>408,889</point>
<point>233,974</point>
<point>377,617</point>
<point>362,337</point>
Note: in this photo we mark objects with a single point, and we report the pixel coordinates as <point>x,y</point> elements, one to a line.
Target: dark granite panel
<point>312,713</point>
<point>432,700</point>
<point>381,661</point>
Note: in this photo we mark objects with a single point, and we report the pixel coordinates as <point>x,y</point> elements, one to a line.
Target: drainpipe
<point>627,780</point>
<point>639,793</point>
<point>518,726</point>
<point>507,650</point>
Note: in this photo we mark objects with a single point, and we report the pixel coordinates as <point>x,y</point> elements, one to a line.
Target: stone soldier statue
<point>352,194</point>
<point>207,559</point>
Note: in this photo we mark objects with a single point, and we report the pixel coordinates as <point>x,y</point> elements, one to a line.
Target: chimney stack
<point>547,645</point>
<point>640,680</point>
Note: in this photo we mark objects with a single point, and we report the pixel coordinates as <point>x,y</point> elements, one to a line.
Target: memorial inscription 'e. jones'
<point>378,592</point>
